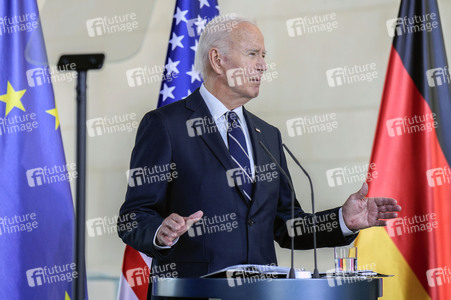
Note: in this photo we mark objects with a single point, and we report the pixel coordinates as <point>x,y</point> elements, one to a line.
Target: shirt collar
<point>216,107</point>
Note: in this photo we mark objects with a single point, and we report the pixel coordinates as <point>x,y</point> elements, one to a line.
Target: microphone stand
<point>315,271</point>
<point>290,184</point>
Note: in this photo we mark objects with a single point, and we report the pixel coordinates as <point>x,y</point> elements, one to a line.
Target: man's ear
<point>216,61</point>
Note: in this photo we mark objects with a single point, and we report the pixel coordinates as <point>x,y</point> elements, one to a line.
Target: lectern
<point>333,288</point>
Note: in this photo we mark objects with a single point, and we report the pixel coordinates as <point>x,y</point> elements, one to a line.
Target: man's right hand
<point>175,226</point>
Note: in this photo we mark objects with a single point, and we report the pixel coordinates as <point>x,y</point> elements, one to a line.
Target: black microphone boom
<point>290,184</point>
<point>315,271</point>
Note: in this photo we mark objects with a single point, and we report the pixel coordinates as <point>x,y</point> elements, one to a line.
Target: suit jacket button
<point>250,222</point>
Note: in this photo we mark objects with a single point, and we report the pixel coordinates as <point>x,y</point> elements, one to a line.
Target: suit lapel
<point>255,134</point>
<point>210,135</point>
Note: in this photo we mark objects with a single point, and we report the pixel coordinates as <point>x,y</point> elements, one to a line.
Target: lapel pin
<point>258,130</point>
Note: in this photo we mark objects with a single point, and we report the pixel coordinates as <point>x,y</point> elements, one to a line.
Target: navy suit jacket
<point>172,135</point>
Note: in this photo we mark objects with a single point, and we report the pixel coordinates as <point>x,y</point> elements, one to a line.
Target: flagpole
<point>83,63</point>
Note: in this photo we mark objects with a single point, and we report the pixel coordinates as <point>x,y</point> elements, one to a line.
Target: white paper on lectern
<point>253,269</point>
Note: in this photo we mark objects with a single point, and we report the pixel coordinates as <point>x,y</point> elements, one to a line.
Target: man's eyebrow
<point>257,50</point>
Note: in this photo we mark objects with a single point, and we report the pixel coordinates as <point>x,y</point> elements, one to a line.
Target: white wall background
<point>301,89</point>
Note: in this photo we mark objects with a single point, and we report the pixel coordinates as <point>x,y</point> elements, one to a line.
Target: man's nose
<point>261,65</point>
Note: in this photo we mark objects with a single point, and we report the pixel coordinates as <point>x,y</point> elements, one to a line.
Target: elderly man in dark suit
<point>218,174</point>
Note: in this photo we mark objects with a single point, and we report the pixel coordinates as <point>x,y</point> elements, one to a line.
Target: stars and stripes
<point>190,19</point>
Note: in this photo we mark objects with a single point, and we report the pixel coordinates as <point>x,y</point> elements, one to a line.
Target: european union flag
<point>36,210</point>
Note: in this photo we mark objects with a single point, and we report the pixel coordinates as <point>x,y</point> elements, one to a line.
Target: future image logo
<point>311,24</point>
<point>148,175</point>
<point>410,225</point>
<point>438,76</point>
<point>312,124</point>
<point>438,276</point>
<point>351,74</point>
<point>411,124</point>
<point>351,174</point>
<point>411,25</point>
<point>49,275</point>
<point>214,224</point>
<point>438,176</point>
<point>111,24</point>
<point>46,75</point>
<point>48,175</point>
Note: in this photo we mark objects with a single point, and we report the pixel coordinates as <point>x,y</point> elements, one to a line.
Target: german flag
<point>412,154</point>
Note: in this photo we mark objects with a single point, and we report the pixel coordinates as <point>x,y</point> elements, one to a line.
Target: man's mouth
<point>255,78</point>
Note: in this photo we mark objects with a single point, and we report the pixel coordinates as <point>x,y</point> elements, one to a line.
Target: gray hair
<point>216,34</point>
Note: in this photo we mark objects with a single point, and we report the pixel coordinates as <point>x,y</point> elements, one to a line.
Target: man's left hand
<point>360,212</point>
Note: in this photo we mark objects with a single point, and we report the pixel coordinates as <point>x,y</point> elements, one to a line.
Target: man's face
<point>245,61</point>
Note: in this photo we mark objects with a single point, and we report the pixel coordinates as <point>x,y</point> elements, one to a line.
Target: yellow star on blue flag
<point>12,99</point>
<point>54,112</point>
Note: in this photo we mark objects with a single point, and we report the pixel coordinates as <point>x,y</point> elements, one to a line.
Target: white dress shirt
<point>218,111</point>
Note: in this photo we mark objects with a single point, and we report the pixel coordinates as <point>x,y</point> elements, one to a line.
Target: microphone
<point>315,271</point>
<point>290,184</point>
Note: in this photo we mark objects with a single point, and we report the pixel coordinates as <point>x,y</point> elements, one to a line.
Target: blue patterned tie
<point>239,152</point>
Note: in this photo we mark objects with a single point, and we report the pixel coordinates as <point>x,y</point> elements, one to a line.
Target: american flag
<point>179,80</point>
